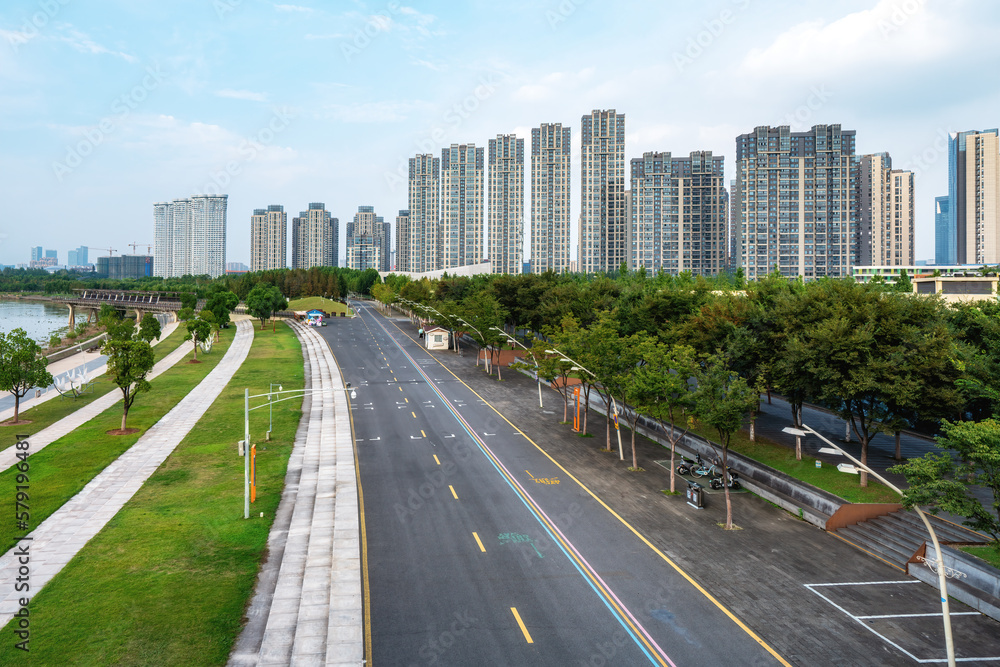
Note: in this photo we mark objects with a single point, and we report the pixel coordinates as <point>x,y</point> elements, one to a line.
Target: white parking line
<point>861,619</point>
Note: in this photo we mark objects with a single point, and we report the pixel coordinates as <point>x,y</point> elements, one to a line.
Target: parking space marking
<point>867,625</point>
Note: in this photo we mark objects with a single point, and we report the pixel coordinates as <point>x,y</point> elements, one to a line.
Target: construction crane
<point>111,251</point>
<point>149,247</point>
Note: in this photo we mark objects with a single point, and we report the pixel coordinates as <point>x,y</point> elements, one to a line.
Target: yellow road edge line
<point>435,457</point>
<point>365,587</point>
<point>479,542</point>
<point>453,491</point>
<point>517,617</point>
<point>634,531</point>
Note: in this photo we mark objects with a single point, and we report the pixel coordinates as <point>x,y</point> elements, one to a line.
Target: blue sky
<point>109,106</point>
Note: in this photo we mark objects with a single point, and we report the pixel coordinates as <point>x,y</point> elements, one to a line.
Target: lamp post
<point>537,369</point>
<point>486,362</point>
<point>614,404</point>
<point>942,576</point>
<point>294,393</point>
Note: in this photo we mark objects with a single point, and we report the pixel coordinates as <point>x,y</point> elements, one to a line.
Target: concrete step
<point>872,542</point>
<point>893,533</point>
<point>946,531</point>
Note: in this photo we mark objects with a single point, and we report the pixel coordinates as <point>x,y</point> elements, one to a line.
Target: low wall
<point>981,577</point>
<point>76,349</point>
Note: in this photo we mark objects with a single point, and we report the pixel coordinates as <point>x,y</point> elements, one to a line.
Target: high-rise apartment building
<point>795,196</point>
<point>678,213</point>
<point>550,198</point>
<point>505,197</point>
<point>423,250</point>
<point>603,219</point>
<point>402,239</point>
<point>945,236</point>
<point>367,245</point>
<point>974,193</point>
<point>79,257</point>
<point>268,238</point>
<point>190,236</point>
<point>37,253</point>
<point>315,238</point>
<point>885,223</point>
<point>462,202</point>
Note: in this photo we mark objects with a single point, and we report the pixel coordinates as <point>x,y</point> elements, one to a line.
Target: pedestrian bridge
<point>91,300</point>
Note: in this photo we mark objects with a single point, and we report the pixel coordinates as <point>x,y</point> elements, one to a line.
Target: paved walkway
<point>77,419</point>
<point>83,363</point>
<point>307,606</point>
<point>54,543</point>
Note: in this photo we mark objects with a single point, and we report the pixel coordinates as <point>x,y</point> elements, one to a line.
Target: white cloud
<point>84,44</point>
<point>890,32</point>
<point>242,95</point>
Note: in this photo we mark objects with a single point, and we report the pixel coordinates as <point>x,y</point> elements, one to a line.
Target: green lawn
<point>168,579</point>
<point>64,467</point>
<point>828,478</point>
<point>318,302</point>
<point>990,554</point>
<point>45,414</point>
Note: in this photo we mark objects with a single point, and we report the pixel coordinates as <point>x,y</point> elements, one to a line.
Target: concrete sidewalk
<point>83,363</point>
<point>61,536</point>
<point>80,417</point>
<point>306,608</point>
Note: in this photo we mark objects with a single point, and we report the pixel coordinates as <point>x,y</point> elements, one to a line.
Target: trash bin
<point>696,495</point>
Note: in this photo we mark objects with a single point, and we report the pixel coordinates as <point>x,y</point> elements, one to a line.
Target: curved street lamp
<point>941,570</point>
<point>538,375</point>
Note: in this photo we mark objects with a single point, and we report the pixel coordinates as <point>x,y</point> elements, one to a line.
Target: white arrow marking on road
<point>450,436</point>
<point>374,439</point>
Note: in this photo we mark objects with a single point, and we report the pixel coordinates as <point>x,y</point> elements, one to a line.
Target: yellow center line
<point>414,414</point>
<point>401,389</point>
<point>405,399</point>
<point>422,433</point>
<point>435,457</point>
<point>517,617</point>
<point>479,542</point>
<point>394,378</point>
<point>455,495</point>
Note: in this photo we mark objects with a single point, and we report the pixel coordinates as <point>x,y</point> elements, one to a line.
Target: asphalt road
<point>481,551</point>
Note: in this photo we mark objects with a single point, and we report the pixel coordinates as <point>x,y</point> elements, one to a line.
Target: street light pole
<point>614,404</point>
<point>294,393</point>
<point>942,577</point>
<point>486,361</point>
<point>538,375</point>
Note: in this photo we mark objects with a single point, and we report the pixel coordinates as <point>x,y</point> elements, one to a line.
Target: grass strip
<point>318,303</point>
<point>48,413</point>
<point>64,467</point>
<point>828,478</point>
<point>989,553</point>
<point>168,580</point>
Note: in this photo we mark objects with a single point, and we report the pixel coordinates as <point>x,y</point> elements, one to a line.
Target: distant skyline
<point>111,106</point>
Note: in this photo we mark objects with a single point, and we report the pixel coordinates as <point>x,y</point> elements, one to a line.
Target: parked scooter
<point>687,464</point>
<point>734,481</point>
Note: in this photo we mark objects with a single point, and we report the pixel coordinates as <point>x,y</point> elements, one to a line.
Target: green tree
<point>222,303</point>
<point>149,328</point>
<point>663,389</point>
<point>722,401</point>
<point>21,367</point>
<point>264,301</point>
<point>946,481</point>
<point>130,360</point>
<point>199,330</point>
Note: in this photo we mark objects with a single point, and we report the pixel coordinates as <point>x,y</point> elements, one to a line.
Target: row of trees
<point>884,359</point>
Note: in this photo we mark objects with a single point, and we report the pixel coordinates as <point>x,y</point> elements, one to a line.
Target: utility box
<point>240,447</point>
<point>696,495</point>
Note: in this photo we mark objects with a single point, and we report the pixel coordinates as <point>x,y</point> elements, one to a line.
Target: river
<point>39,319</point>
